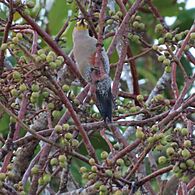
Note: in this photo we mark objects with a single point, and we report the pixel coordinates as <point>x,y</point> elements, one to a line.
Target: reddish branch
<point>5,35</point>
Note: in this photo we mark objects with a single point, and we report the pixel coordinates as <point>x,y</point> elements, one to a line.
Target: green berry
<point>19,36</point>
<point>168,35</point>
<point>184,131</point>
<point>35,170</point>
<point>51,106</point>
<point>138,18</point>
<point>166,62</point>
<point>4,46</point>
<point>162,160</point>
<point>2,176</point>
<point>30,4</point>
<point>66,88</point>
<point>14,92</point>
<point>68,136</point>
<point>66,126</point>
<point>119,14</point>
<point>192,35</point>
<point>46,178</point>
<point>41,181</point>
<point>185,178</point>
<point>183,166</point>
<point>140,98</point>
<point>168,69</point>
<point>92,161</point>
<point>118,192</point>
<point>170,151</point>
<point>190,163</point>
<point>185,153</point>
<point>35,88</point>
<point>120,162</point>
<point>62,158</point>
<point>161,40</point>
<point>83,170</point>
<point>109,22</point>
<point>56,114</point>
<point>159,28</point>
<point>187,143</point>
<point>58,128</point>
<point>161,58</point>
<point>94,169</point>
<point>103,188</point>
<point>16,76</point>
<point>75,143</point>
<point>104,155</point>
<point>54,162</point>
<point>22,87</point>
<point>15,40</point>
<point>135,24</point>
<point>109,173</point>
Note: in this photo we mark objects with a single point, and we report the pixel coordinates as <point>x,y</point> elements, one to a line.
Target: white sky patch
<point>170,20</point>
<point>190,4</point>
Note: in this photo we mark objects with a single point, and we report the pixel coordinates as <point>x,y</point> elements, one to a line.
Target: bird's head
<point>81,25</point>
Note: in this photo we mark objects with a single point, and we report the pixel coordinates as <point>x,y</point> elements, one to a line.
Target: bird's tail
<point>104,98</point>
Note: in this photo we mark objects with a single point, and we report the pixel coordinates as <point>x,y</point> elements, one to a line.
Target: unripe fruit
<point>45,94</point>
<point>41,181</point>
<point>2,176</point>
<point>168,69</point>
<point>103,188</point>
<point>16,76</point>
<point>51,106</point>
<point>190,163</point>
<point>170,151</point>
<point>119,14</point>
<point>92,176</point>
<point>140,98</point>
<point>161,58</point>
<point>85,176</point>
<point>46,178</point>
<point>185,178</point>
<point>104,155</point>
<point>109,173</point>
<point>162,160</point>
<point>22,87</point>
<point>141,26</point>
<point>166,62</point>
<point>30,4</point>
<point>35,95</point>
<point>187,143</point>
<point>138,18</point>
<point>161,40</point>
<point>83,170</point>
<point>75,143</point>
<point>56,114</point>
<point>54,161</point>
<point>155,47</point>
<point>68,136</point>
<point>184,131</point>
<point>111,12</point>
<point>35,170</point>
<point>136,24</point>
<point>120,162</point>
<point>66,126</point>
<point>19,36</point>
<point>109,22</point>
<point>117,174</point>
<point>92,161</point>
<point>158,28</point>
<point>53,65</point>
<point>185,153</point>
<point>178,37</point>
<point>168,35</point>
<point>66,88</point>
<point>192,36</point>
<point>15,40</point>
<point>62,158</point>
<point>94,169</point>
<point>14,92</point>
<point>35,88</point>
<point>4,46</point>
<point>58,128</point>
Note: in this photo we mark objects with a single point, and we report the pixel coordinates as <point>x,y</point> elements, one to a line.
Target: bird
<point>84,51</point>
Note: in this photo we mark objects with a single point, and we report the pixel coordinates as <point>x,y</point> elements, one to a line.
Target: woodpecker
<point>84,51</point>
